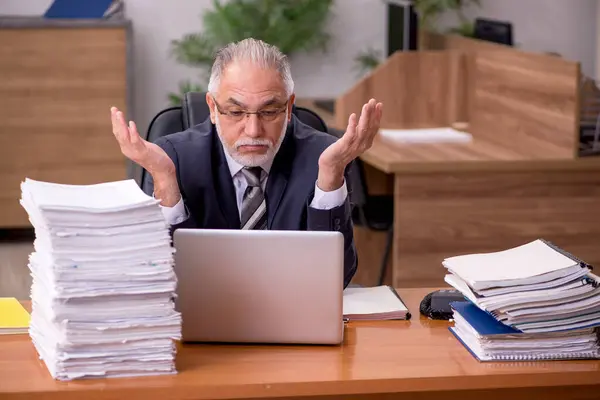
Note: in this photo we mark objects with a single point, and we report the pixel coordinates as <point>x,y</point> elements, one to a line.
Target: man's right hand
<point>149,156</point>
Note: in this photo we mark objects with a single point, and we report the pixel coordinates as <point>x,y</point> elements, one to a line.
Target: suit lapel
<point>279,175</point>
<point>224,186</point>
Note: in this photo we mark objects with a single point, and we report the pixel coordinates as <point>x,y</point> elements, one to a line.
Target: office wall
<point>357,25</point>
<point>564,26</point>
<point>568,27</point>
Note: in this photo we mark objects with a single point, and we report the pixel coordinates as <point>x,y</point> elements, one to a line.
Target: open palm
<point>147,155</point>
<point>356,140</point>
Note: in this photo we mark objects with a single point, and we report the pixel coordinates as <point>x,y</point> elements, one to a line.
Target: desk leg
<point>443,214</point>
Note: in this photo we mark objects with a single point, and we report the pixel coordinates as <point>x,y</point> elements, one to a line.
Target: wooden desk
<point>460,199</point>
<point>417,359</point>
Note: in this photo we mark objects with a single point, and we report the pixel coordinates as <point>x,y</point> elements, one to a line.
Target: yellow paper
<point>13,316</point>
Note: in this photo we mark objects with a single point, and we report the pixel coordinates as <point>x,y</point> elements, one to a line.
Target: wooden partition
<point>524,106</point>
<point>506,89</point>
<point>526,102</point>
<point>58,80</point>
<point>418,89</point>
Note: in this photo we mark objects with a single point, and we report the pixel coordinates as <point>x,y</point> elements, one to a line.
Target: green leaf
<point>367,60</point>
<point>194,49</point>
<point>429,10</point>
<point>186,86</point>
<point>466,29</point>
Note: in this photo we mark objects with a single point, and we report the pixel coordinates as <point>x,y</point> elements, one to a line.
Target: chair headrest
<point>194,109</point>
<point>310,118</point>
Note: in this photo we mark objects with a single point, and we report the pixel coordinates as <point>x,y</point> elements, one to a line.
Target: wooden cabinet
<point>58,80</point>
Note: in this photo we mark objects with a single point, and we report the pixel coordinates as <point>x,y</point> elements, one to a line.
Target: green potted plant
<point>367,60</point>
<point>429,11</point>
<point>292,25</point>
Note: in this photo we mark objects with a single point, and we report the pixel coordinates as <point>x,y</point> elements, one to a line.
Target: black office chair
<point>589,120</point>
<point>375,212</point>
<point>194,110</point>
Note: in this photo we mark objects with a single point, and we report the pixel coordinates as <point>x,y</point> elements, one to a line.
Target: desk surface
<point>392,157</point>
<point>378,357</point>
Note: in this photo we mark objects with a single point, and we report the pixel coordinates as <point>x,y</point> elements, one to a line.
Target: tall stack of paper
<point>533,301</point>
<point>103,280</point>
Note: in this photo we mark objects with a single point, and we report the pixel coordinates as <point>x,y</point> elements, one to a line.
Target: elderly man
<point>253,164</point>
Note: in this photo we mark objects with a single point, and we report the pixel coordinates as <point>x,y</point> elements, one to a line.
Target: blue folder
<point>484,323</point>
<point>94,9</point>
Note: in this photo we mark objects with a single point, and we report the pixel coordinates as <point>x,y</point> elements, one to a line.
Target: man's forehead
<point>252,80</point>
<point>262,101</point>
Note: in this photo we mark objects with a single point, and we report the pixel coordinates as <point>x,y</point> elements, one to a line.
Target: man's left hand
<point>356,140</point>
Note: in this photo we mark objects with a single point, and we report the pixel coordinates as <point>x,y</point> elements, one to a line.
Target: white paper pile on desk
<point>426,135</point>
<point>103,280</point>
<point>534,301</point>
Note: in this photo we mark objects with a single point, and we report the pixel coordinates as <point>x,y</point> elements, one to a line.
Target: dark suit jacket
<point>207,187</point>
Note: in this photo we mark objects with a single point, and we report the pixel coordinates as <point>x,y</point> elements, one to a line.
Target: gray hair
<point>255,51</point>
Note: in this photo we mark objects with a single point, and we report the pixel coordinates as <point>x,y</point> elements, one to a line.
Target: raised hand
<point>148,155</point>
<point>356,140</point>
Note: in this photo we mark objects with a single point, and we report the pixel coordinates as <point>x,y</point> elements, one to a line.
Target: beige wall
<point>567,27</point>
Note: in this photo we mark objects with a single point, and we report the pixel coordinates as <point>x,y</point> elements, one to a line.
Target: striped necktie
<point>254,207</point>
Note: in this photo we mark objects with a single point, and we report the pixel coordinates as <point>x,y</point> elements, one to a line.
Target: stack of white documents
<point>524,297</point>
<point>103,280</point>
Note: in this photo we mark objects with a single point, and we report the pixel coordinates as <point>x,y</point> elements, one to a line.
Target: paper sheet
<point>429,135</point>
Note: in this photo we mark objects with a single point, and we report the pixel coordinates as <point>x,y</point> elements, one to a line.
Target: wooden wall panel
<point>440,215</point>
<point>468,47</point>
<point>527,101</point>
<point>418,89</point>
<point>56,89</point>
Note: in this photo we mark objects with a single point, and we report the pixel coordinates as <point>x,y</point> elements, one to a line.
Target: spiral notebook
<point>488,339</point>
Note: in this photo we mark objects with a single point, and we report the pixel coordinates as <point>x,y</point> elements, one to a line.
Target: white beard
<point>252,160</point>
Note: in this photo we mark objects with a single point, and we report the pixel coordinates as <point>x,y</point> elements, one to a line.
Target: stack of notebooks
<point>532,302</point>
<point>103,280</point>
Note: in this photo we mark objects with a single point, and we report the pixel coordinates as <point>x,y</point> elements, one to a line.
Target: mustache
<point>252,142</point>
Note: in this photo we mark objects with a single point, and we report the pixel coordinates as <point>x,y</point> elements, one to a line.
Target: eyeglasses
<point>267,115</point>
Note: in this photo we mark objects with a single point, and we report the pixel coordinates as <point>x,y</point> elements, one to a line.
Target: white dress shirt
<point>321,200</point>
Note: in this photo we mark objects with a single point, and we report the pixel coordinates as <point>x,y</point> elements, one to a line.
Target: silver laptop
<point>246,286</point>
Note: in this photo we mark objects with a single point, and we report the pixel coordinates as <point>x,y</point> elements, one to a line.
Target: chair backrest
<point>164,123</point>
<point>310,118</point>
<point>357,182</point>
<point>194,109</point>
